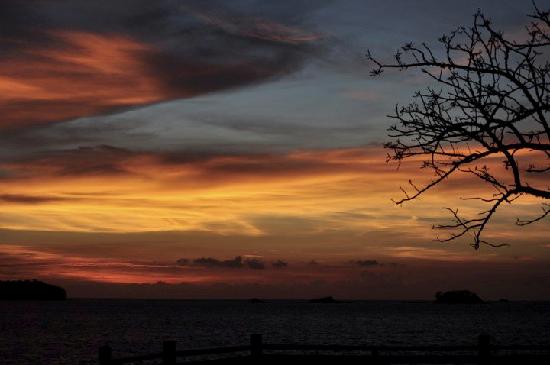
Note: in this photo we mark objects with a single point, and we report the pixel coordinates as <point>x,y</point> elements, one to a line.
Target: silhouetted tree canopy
<point>490,101</point>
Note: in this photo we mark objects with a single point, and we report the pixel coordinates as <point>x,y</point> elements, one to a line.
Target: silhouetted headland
<point>256,300</point>
<point>328,299</point>
<point>457,297</point>
<point>30,290</point>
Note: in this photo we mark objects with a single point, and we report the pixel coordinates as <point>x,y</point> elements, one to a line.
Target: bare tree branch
<point>494,102</point>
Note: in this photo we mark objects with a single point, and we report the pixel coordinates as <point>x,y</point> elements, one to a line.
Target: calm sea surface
<point>69,332</point>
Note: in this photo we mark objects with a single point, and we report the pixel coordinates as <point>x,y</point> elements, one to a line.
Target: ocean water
<point>70,332</point>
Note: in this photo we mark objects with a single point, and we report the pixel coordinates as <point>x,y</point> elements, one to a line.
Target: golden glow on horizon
<point>331,205</point>
<point>111,270</point>
<point>306,191</point>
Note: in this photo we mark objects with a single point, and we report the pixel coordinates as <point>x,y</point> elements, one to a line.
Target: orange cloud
<point>434,254</point>
<point>81,74</point>
<point>75,74</point>
<point>302,192</point>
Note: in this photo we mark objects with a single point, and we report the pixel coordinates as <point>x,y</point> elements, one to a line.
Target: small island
<point>30,290</point>
<point>328,299</point>
<point>457,297</point>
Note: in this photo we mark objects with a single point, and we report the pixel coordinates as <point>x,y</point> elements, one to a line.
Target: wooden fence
<point>259,352</point>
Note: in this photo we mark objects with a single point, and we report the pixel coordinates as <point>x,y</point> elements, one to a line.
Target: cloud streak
<point>29,199</point>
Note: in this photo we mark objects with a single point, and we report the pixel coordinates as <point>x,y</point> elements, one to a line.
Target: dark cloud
<point>236,263</point>
<point>98,160</point>
<point>182,262</point>
<point>279,264</point>
<point>366,263</point>
<point>18,23</point>
<point>208,167</point>
<point>254,264</point>
<point>29,199</point>
<point>374,263</point>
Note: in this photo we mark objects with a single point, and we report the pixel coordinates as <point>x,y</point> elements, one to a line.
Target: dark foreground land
<point>483,353</point>
<point>366,360</point>
<point>30,290</point>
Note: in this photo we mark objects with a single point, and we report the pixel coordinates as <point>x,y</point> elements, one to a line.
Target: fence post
<point>375,356</point>
<point>484,345</point>
<point>105,355</point>
<point>256,345</point>
<point>169,353</point>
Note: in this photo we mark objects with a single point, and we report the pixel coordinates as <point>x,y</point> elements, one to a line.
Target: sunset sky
<point>233,149</point>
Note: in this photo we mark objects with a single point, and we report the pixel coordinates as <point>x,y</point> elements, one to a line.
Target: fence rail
<point>482,353</point>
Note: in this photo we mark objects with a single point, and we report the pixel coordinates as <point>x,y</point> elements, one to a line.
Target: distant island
<point>329,299</point>
<point>457,297</point>
<point>30,290</point>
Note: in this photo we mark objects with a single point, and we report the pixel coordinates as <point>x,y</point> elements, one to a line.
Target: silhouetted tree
<point>491,100</point>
